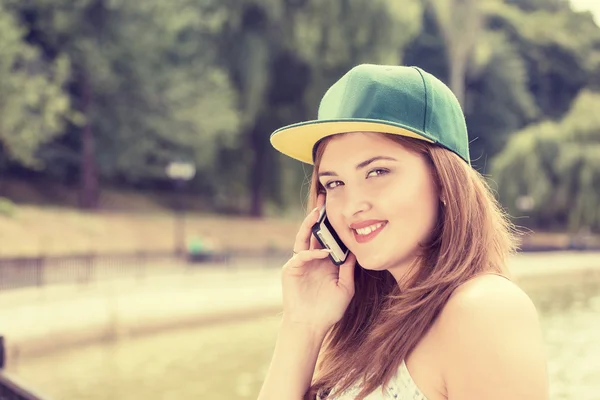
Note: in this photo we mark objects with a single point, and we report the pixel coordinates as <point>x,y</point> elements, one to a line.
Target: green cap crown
<point>388,99</point>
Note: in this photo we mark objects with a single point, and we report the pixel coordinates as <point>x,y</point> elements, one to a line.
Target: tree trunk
<point>256,171</point>
<point>460,32</point>
<point>457,78</point>
<point>89,190</point>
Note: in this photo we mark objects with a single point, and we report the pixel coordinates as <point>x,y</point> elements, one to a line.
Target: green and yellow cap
<point>398,100</point>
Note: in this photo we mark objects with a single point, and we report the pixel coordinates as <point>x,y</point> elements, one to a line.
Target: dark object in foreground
<point>2,353</point>
<point>10,389</point>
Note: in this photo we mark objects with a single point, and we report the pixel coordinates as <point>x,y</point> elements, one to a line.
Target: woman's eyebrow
<point>360,166</point>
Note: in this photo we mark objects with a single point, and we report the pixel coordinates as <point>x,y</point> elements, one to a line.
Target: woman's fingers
<point>305,256</point>
<point>346,277</point>
<point>314,243</point>
<point>303,237</point>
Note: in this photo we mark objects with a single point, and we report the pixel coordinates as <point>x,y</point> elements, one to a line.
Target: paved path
<point>34,320</point>
<point>41,319</point>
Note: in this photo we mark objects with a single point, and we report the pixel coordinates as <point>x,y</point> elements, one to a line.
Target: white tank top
<point>400,387</point>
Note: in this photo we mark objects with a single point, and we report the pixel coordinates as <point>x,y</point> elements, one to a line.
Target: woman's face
<point>380,198</point>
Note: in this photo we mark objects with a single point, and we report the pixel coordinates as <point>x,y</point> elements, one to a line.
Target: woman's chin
<point>378,262</point>
<point>372,263</point>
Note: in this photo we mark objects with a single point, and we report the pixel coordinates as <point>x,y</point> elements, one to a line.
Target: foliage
<point>108,92</point>
<point>281,57</point>
<point>460,23</point>
<point>557,165</point>
<point>7,207</point>
<point>560,49</point>
<point>498,101</point>
<point>33,106</point>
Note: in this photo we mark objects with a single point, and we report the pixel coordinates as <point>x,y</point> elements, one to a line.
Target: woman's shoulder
<point>490,327</point>
<point>485,291</point>
<point>487,300</point>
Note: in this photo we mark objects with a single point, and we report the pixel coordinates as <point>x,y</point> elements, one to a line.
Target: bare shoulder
<point>484,302</point>
<point>489,296</point>
<point>490,342</point>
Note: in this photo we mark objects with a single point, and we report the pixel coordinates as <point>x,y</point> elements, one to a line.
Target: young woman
<point>423,307</point>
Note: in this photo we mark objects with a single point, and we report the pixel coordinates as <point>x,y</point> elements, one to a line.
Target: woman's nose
<point>356,202</point>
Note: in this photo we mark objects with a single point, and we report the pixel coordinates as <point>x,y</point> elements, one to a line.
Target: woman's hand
<point>316,292</point>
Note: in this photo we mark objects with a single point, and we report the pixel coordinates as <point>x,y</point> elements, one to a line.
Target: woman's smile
<point>368,233</point>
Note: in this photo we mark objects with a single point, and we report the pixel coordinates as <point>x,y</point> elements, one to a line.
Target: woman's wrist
<point>294,359</point>
<point>315,330</point>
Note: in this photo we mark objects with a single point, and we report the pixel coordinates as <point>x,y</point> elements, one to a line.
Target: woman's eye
<point>374,172</point>
<point>377,172</point>
<point>332,185</point>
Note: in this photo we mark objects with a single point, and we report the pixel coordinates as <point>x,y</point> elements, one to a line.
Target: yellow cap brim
<point>297,141</point>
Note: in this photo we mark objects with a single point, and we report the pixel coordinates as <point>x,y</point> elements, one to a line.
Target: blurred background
<point>144,215</point>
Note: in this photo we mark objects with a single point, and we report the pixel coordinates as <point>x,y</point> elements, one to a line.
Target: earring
<point>444,202</point>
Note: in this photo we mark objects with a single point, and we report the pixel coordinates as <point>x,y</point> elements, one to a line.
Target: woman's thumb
<point>346,276</point>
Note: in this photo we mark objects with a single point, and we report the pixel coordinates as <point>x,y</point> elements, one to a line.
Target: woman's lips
<point>368,237</point>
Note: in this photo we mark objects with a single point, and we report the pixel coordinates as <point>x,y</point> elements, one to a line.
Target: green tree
<point>460,23</point>
<point>282,56</point>
<point>498,101</point>
<point>335,36</point>
<point>483,68</point>
<point>527,62</point>
<point>560,49</point>
<point>33,105</point>
<point>144,81</point>
<point>557,166</point>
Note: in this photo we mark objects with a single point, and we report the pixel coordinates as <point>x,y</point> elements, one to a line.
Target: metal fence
<point>86,268</point>
<point>22,272</point>
<point>19,272</point>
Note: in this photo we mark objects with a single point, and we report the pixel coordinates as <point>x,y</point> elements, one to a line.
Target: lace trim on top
<point>401,387</point>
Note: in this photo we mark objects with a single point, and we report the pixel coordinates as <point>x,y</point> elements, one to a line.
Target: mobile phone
<point>329,239</point>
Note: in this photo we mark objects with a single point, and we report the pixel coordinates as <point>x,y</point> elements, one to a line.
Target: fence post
<point>38,265</point>
<point>2,353</point>
<point>90,262</point>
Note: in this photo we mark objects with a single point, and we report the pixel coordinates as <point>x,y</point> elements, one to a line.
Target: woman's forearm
<point>293,363</point>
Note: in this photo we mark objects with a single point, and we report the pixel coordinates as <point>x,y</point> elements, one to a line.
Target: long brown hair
<point>383,323</point>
